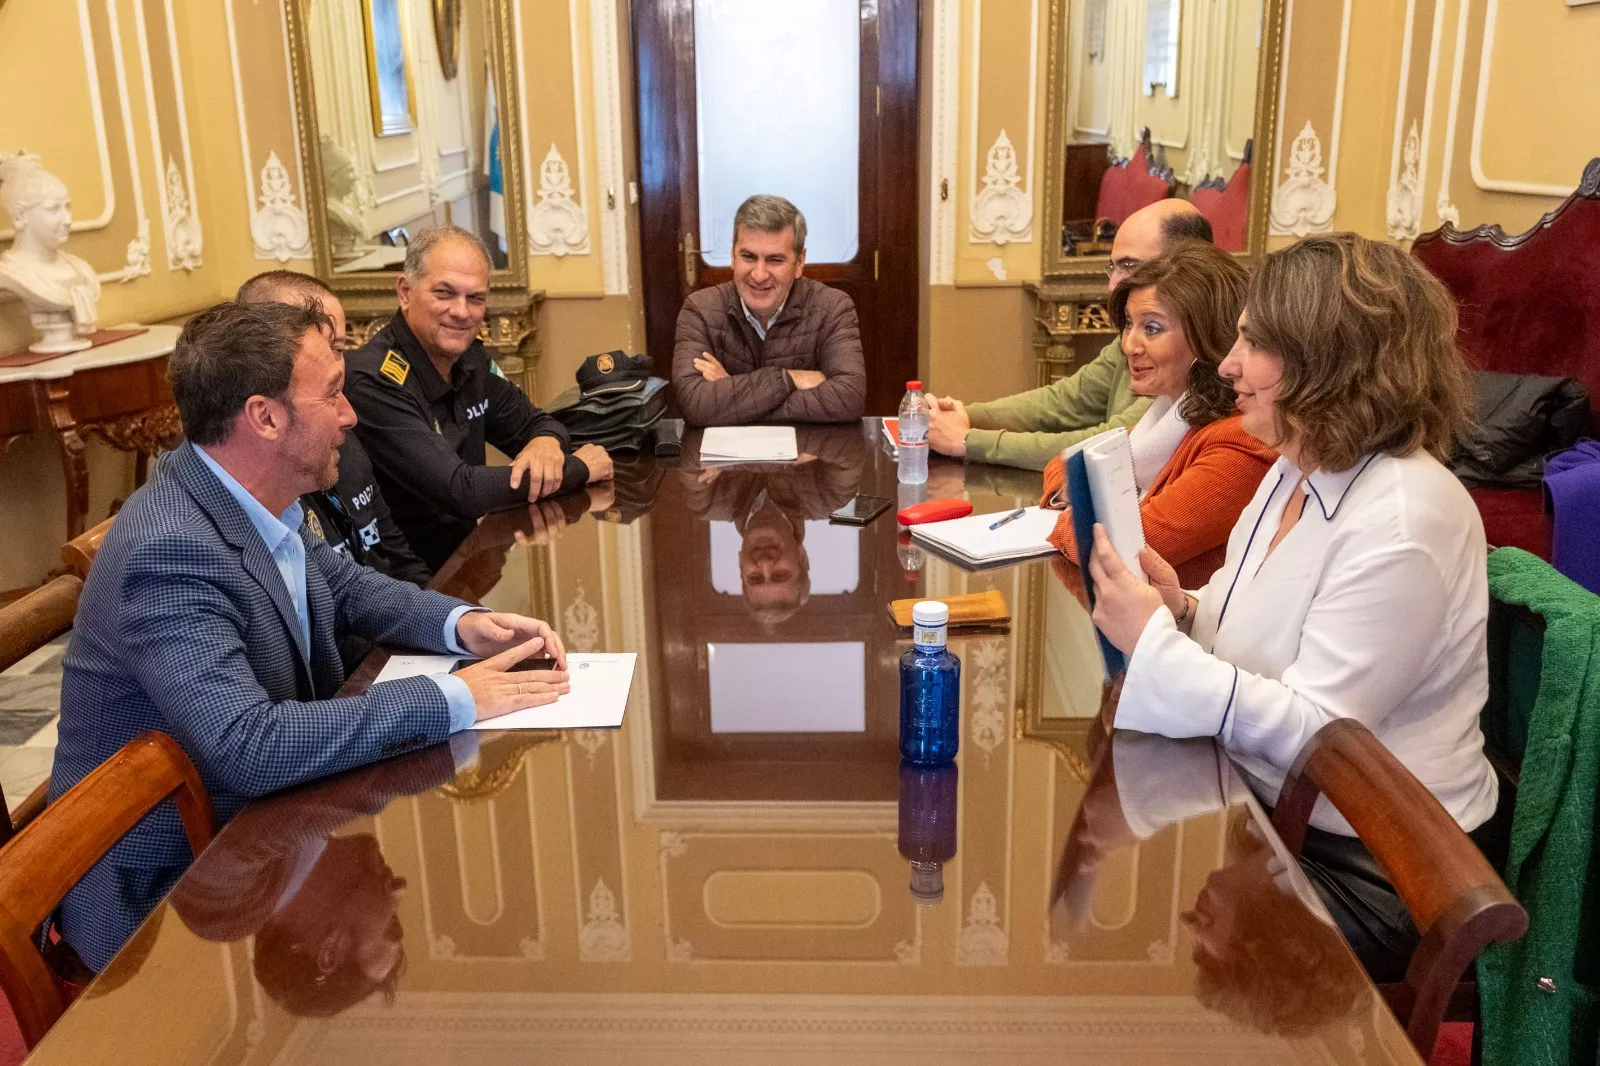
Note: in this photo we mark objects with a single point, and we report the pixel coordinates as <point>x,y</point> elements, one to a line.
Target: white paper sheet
<point>749,444</point>
<point>598,698</point>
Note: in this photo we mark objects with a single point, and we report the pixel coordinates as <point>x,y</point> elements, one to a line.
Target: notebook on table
<point>749,444</point>
<point>971,540</point>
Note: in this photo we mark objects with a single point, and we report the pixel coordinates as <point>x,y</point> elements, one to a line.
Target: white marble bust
<point>346,231</point>
<point>60,291</point>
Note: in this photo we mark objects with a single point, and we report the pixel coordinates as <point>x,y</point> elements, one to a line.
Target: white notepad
<point>749,444</point>
<point>970,538</point>
<point>597,699</point>
<point>1108,460</point>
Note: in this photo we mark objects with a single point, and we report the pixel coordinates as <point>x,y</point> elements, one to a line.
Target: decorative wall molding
<point>982,942</point>
<point>582,622</point>
<point>604,48</point>
<point>1401,143</point>
<point>945,129</point>
<point>603,937</point>
<point>175,188</point>
<point>279,227</point>
<point>562,228</point>
<point>557,224</point>
<point>102,142</point>
<point>1304,203</point>
<point>1445,209</point>
<point>1403,212</point>
<point>1001,211</point>
<point>182,224</point>
<point>136,263</point>
<point>1479,178</point>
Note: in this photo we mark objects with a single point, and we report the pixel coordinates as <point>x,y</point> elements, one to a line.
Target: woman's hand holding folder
<point>1124,602</point>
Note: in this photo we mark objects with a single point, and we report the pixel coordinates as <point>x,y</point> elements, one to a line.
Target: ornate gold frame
<point>1074,270</point>
<point>368,295</point>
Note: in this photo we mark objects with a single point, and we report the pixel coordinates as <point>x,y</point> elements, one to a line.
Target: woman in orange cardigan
<point>1195,467</point>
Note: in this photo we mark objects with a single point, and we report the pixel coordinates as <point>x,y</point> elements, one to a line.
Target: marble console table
<point>117,392</point>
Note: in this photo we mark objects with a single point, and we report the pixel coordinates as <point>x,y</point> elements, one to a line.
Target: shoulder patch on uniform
<point>395,367</point>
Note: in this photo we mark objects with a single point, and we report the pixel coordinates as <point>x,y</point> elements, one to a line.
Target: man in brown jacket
<point>770,345</point>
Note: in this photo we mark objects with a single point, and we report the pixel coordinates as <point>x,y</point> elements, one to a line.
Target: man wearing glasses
<point>1031,428</point>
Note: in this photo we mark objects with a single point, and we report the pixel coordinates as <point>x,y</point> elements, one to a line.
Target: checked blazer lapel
<point>235,527</point>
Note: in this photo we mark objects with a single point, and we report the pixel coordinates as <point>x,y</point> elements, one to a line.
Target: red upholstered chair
<point>1530,304</point>
<point>1226,205</point>
<point>1129,184</point>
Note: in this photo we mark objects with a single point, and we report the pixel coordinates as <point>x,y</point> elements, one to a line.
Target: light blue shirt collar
<point>273,528</point>
<point>281,535</point>
<point>761,330</point>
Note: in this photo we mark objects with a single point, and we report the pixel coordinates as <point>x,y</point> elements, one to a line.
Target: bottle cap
<point>927,881</point>
<point>930,613</point>
<point>913,386</point>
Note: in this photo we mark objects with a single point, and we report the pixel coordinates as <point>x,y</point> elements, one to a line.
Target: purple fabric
<point>1572,496</point>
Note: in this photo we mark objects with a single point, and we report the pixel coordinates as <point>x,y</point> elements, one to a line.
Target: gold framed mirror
<point>359,67</point>
<point>1147,99</point>
<point>1117,139</point>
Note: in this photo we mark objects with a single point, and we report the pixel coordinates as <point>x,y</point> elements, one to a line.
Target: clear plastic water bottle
<point>930,690</point>
<point>913,436</point>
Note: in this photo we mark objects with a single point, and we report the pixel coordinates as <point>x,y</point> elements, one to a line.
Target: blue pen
<point>1018,513</point>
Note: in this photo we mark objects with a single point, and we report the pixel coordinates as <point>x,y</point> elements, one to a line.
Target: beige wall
<point>1504,152</point>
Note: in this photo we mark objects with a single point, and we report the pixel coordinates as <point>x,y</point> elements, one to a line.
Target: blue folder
<point>1083,519</point>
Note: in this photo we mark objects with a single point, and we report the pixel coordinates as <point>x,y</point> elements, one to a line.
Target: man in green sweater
<point>1030,428</point>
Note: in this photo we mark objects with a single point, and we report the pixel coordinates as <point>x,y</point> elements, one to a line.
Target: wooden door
<point>880,275</point>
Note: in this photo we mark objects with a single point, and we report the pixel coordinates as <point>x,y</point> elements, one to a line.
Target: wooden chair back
<point>29,623</point>
<point>26,625</point>
<point>1527,299</point>
<point>1455,898</point>
<point>78,553</point>
<point>45,859</point>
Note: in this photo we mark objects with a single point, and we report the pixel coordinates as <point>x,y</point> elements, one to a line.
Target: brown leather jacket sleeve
<point>737,399</point>
<point>843,396</point>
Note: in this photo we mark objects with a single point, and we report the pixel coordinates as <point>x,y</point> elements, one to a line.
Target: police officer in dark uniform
<point>428,399</point>
<point>352,517</point>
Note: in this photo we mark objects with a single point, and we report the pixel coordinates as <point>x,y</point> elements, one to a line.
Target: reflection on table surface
<point>728,877</point>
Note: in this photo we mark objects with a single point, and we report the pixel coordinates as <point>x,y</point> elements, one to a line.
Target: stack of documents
<point>970,539</point>
<point>597,696</point>
<point>749,444</point>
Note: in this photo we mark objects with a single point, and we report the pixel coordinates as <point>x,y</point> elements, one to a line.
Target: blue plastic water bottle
<point>930,690</point>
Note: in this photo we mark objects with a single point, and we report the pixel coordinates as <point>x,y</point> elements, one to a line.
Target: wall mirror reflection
<point>1159,98</point>
<point>405,120</point>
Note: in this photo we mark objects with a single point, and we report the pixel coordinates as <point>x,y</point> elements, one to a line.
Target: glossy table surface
<point>726,878</point>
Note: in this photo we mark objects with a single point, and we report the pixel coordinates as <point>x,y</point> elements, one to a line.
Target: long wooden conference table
<point>728,877</point>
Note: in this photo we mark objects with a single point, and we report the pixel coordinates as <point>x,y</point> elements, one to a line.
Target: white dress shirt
<point>1372,607</point>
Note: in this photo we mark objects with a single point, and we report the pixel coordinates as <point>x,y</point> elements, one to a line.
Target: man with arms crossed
<point>429,399</point>
<point>213,615</point>
<point>1031,428</point>
<point>770,345</point>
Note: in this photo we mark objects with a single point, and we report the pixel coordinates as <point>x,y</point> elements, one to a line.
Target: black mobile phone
<point>860,510</point>
<point>535,663</point>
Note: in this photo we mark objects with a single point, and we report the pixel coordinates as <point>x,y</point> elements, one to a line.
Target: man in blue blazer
<point>214,615</point>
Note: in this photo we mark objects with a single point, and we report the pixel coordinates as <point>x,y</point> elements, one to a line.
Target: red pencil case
<point>934,511</point>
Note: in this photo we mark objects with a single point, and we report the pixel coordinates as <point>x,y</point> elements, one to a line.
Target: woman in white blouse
<point>1355,581</point>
